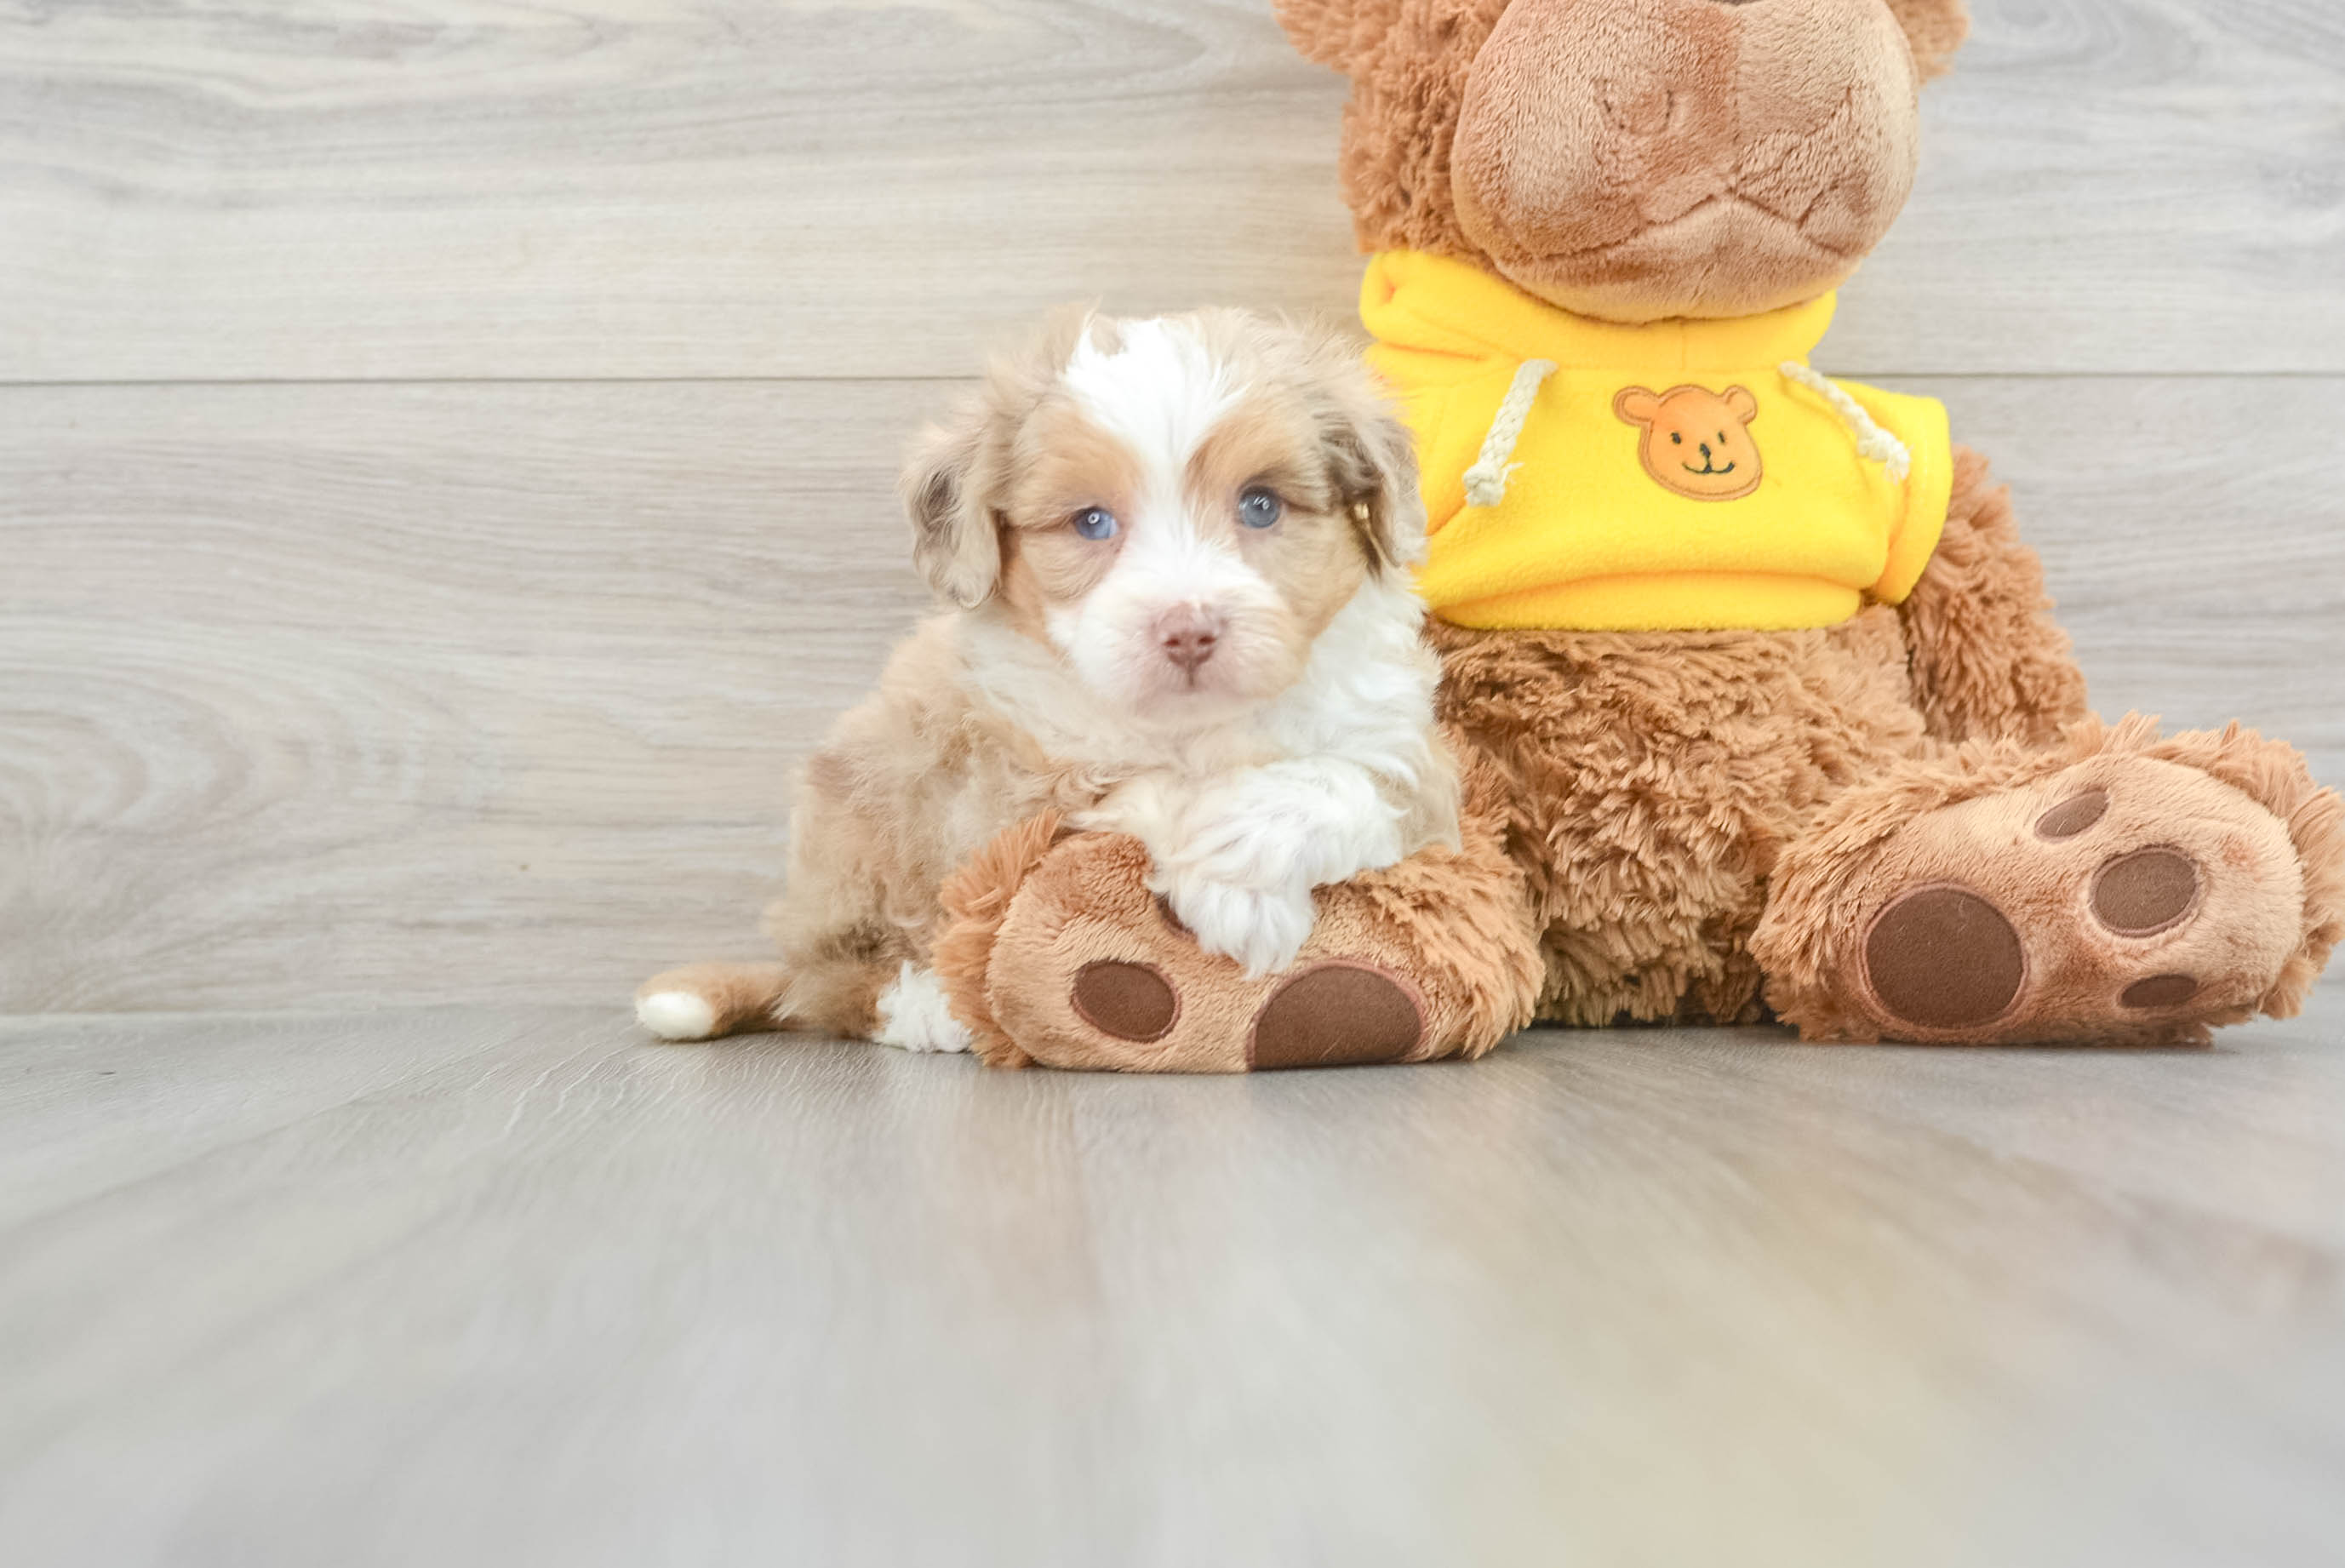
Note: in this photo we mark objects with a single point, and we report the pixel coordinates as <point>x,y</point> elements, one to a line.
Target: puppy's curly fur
<point>1177,551</point>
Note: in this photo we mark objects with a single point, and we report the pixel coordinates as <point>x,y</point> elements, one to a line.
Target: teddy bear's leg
<point>2118,889</point>
<point>1054,950</point>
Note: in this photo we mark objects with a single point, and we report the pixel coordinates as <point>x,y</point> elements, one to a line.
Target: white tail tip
<point>677,1015</point>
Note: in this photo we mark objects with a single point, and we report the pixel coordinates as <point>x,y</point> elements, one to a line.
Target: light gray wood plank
<point>95,1105</point>
<point>380,660</point>
<point>361,695</point>
<point>2116,186</point>
<point>670,187</point>
<point>488,1287</point>
<point>612,188</point>
<point>2195,555</point>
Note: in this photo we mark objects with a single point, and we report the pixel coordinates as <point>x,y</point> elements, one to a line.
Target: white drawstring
<point>1486,482</point>
<point>1872,441</point>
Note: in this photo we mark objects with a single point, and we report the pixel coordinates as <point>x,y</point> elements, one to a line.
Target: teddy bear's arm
<point>1988,659</point>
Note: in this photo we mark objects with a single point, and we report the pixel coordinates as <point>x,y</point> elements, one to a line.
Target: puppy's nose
<point>1188,633</point>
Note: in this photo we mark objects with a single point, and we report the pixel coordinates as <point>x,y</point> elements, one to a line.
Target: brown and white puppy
<point>1178,555</point>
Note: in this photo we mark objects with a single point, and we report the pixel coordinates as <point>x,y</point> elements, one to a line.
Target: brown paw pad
<point>1337,1015</point>
<point>2074,815</point>
<point>2147,891</point>
<point>2160,990</point>
<point>1129,1001</point>
<point>1943,958</point>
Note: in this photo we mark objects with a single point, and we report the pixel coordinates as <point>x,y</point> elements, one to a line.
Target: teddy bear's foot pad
<point>1337,1014</point>
<point>1190,1011</point>
<point>2127,898</point>
<point>1059,953</point>
<point>1943,958</point>
<point>1132,1002</point>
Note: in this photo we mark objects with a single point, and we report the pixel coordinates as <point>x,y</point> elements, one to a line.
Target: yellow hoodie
<point>1684,474</point>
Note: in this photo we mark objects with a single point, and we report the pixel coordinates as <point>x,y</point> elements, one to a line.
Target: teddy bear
<point>1758,703</point>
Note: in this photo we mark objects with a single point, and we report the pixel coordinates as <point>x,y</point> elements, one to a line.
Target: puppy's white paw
<point>1262,930</point>
<point>915,1016</point>
<point>677,1015</point>
<point>1264,829</point>
<point>1239,848</point>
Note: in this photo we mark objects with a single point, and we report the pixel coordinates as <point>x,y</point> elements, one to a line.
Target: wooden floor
<point>460,1287</point>
<point>446,452</point>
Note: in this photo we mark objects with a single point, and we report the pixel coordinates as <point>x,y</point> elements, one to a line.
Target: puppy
<point>1177,552</point>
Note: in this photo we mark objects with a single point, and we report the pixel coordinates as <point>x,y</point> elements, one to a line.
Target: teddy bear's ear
<point>1338,32</point>
<point>1635,405</point>
<point>1935,28</point>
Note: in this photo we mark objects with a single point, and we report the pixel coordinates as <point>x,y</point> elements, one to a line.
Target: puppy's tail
<point>702,1001</point>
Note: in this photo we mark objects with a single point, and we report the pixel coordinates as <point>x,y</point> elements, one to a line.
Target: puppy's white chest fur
<point>1341,773</point>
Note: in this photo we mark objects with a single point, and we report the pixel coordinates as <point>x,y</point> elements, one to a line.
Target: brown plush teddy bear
<point>1755,687</point>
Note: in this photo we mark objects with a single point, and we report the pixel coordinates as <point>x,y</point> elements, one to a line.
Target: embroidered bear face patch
<point>1696,442</point>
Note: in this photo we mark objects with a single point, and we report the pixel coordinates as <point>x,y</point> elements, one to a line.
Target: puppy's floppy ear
<point>956,543</point>
<point>1338,32</point>
<point>1935,28</point>
<point>1372,461</point>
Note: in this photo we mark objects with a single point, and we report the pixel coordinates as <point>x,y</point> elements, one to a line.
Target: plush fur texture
<point>1983,656</point>
<point>1179,549</point>
<point>1905,826</point>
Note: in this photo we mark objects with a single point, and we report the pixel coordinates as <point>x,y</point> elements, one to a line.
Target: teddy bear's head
<point>1633,160</point>
<point>1695,441</point>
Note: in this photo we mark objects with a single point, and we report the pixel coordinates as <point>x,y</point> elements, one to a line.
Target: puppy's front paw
<point>1262,930</point>
<point>1235,847</point>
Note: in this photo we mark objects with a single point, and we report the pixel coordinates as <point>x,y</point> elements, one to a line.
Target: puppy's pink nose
<point>1188,633</point>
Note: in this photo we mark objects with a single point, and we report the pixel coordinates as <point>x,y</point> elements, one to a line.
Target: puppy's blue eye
<point>1095,523</point>
<point>1258,508</point>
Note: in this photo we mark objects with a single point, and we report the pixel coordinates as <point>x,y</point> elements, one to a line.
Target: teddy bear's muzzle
<point>1685,157</point>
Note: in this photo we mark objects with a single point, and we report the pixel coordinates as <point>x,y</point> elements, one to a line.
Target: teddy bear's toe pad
<point>2073,816</point>
<point>2146,892</point>
<point>1945,958</point>
<point>1129,1001</point>
<point>2124,897</point>
<point>1337,1014</point>
<point>2159,990</point>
